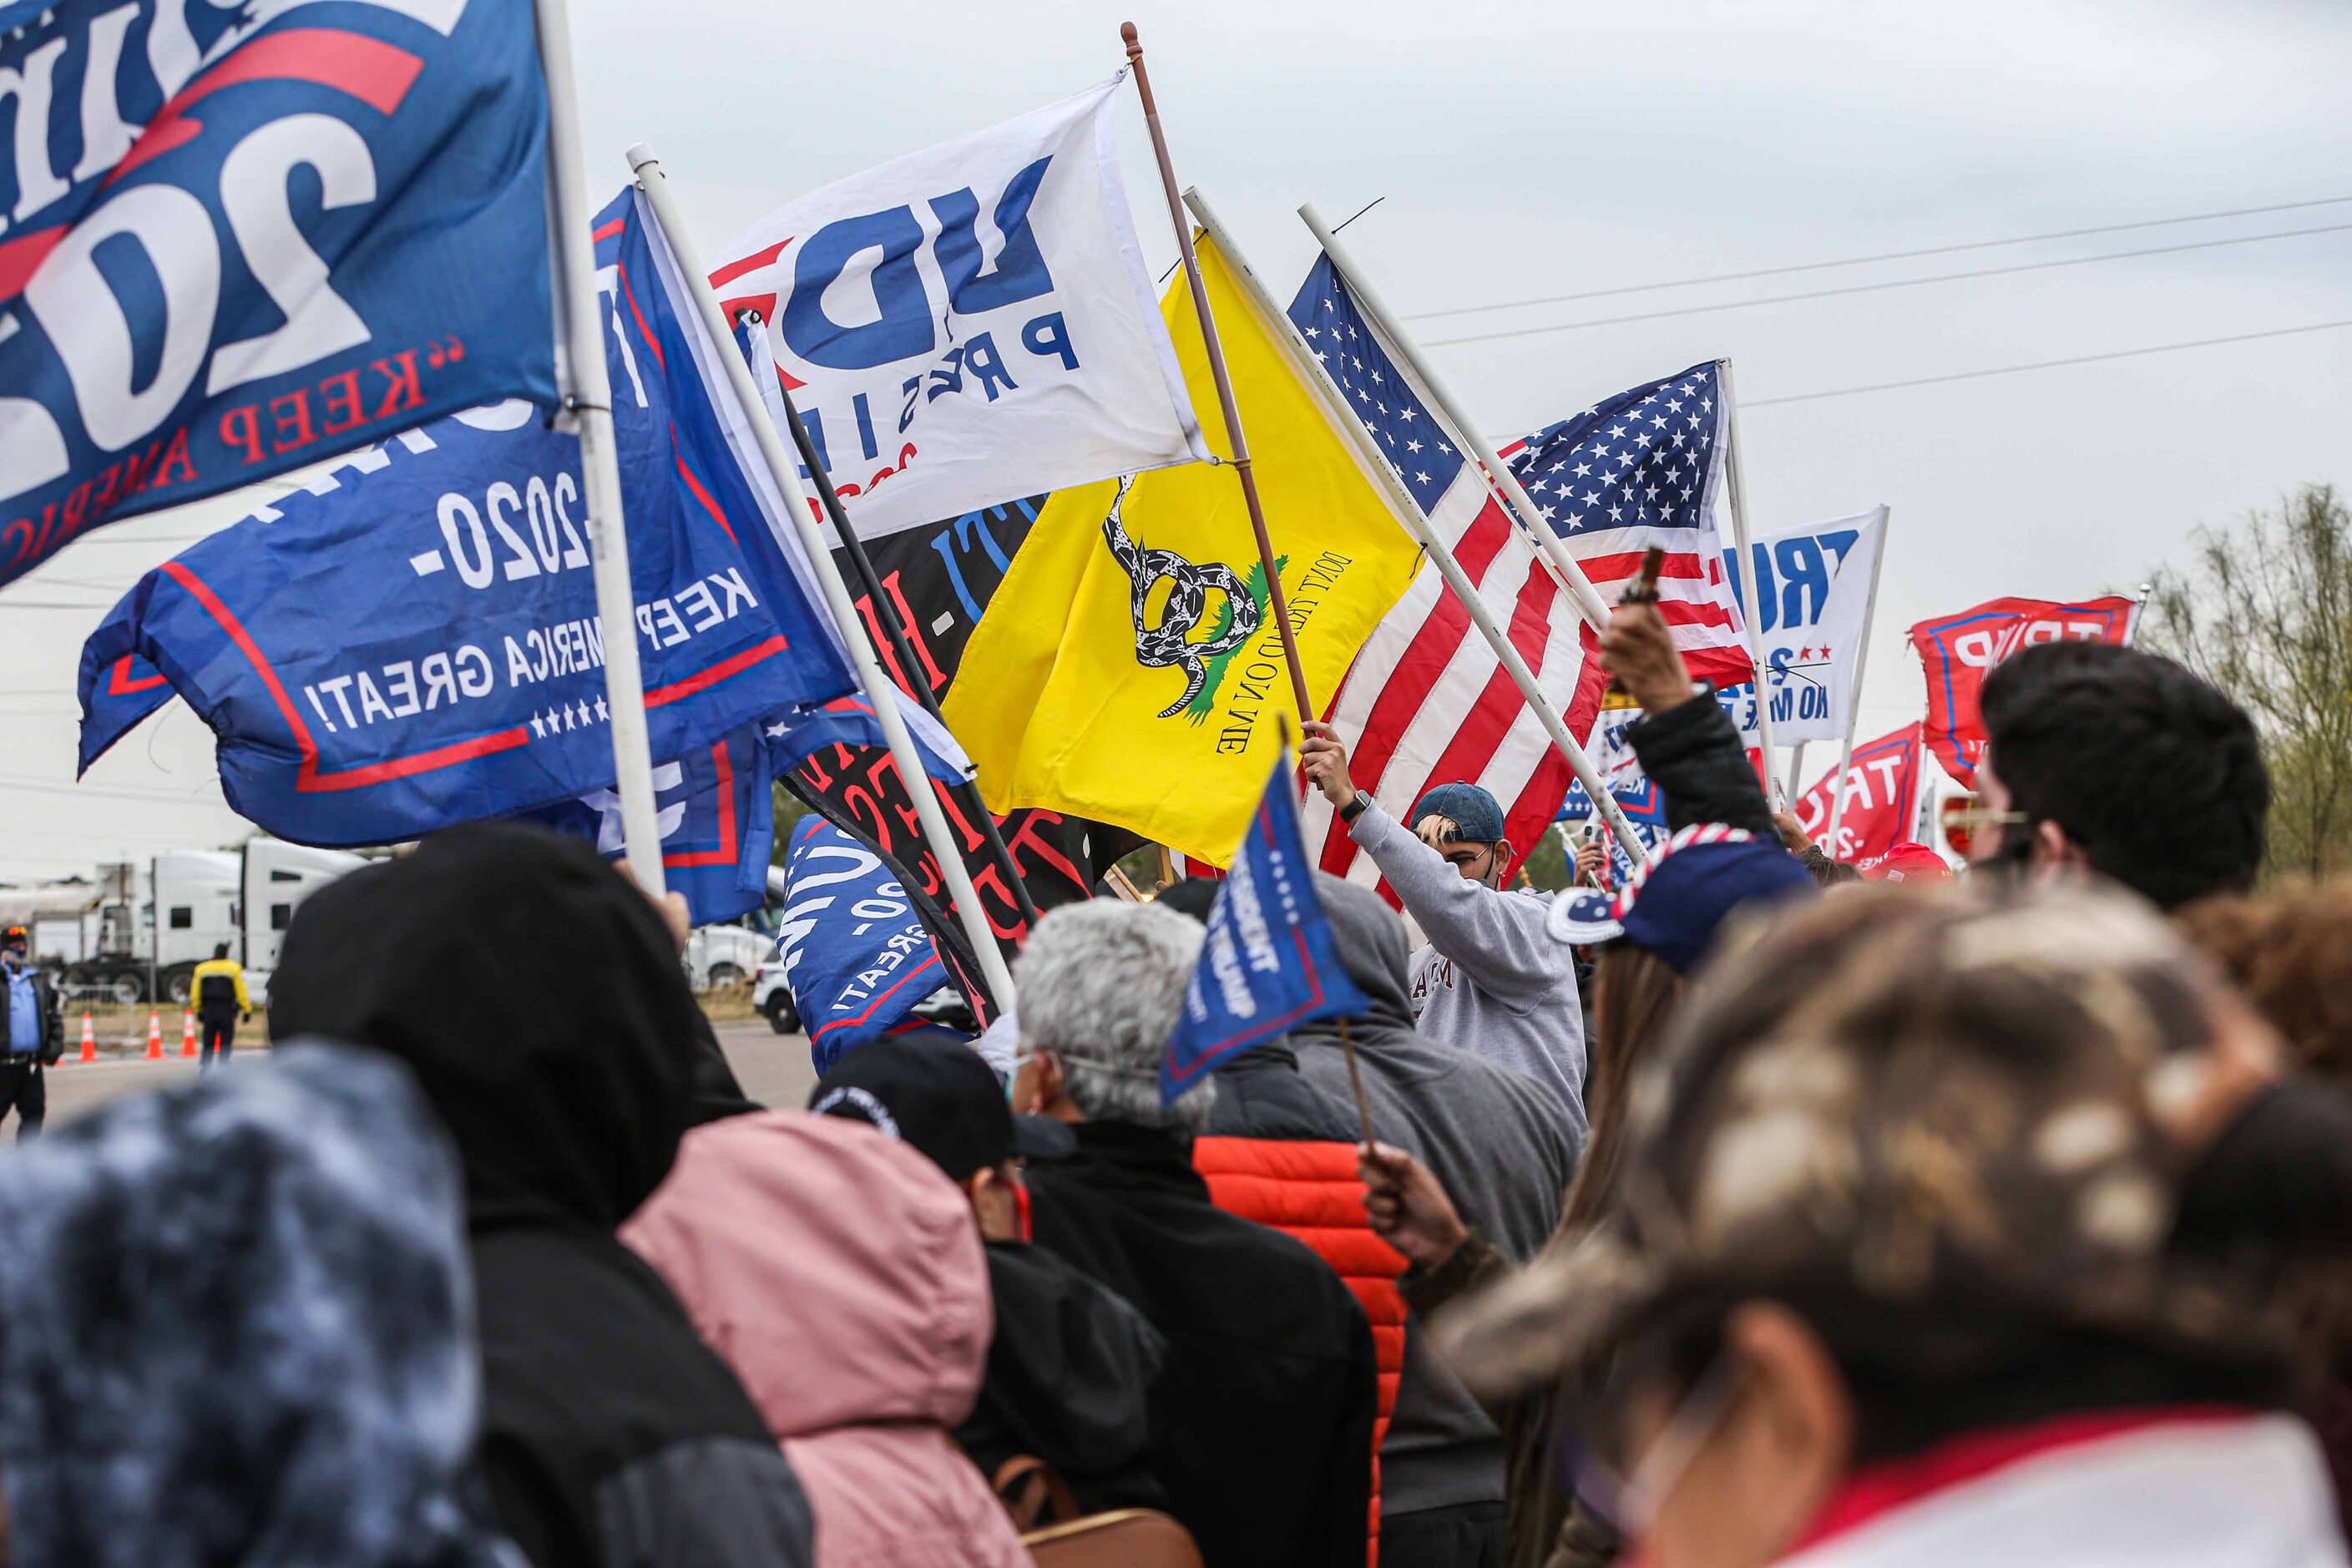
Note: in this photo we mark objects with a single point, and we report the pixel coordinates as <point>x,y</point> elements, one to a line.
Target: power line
<point>2047,363</point>
<point>111,792</point>
<point>1893,283</point>
<point>1882,256</point>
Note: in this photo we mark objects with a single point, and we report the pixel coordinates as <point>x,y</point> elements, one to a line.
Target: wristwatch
<point>1355,808</point>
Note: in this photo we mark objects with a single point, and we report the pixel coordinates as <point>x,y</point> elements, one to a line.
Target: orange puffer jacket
<point>1311,1191</point>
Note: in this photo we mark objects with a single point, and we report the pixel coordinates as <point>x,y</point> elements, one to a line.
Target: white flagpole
<point>1466,439</point>
<point>589,396</point>
<point>1796,770</point>
<point>2139,608</point>
<point>880,689</point>
<point>1853,709</point>
<point>1401,500</point>
<point>1745,569</point>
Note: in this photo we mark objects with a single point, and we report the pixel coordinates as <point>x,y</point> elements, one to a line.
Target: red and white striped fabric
<point>1426,701</point>
<point>1646,468</point>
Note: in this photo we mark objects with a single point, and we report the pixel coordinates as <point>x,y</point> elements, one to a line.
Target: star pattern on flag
<point>569,716</point>
<point>1384,401</point>
<point>1642,460</point>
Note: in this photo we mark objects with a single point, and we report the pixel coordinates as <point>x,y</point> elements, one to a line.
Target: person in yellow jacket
<point>218,987</point>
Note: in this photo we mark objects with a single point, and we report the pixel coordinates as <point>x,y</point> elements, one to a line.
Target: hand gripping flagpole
<point>1853,709</point>
<point>1744,570</point>
<point>588,397</point>
<point>1401,501</point>
<point>880,689</point>
<point>1234,436</point>
<point>1347,1040</point>
<point>1466,439</point>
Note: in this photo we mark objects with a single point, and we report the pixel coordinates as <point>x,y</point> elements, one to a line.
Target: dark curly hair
<point>2290,951</point>
<point>2154,774</point>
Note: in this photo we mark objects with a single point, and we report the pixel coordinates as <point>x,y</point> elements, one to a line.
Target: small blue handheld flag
<point>1268,964</point>
<point>856,951</point>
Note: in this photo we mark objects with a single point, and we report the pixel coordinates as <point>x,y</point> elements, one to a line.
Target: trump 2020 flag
<point>715,808</point>
<point>856,953</point>
<point>1269,964</point>
<point>244,237</point>
<point>1881,798</point>
<point>971,322</point>
<point>412,641</point>
<point>1959,651</point>
<point>1812,602</point>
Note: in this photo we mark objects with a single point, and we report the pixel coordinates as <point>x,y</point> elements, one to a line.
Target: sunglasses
<point>1962,819</point>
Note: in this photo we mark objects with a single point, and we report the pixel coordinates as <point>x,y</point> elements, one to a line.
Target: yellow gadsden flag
<point>1128,669</point>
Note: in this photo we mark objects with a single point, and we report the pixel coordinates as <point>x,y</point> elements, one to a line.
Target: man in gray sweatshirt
<point>1504,1150</point>
<point>1491,978</point>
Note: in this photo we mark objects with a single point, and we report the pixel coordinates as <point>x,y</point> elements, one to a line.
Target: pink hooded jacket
<point>842,1276</point>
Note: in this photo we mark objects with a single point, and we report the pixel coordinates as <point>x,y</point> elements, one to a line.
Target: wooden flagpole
<point>1356,1081</point>
<point>1347,1040</point>
<point>1401,501</point>
<point>1234,436</point>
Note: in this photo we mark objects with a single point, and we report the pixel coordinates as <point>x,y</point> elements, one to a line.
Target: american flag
<point>1426,701</point>
<point>1646,468</point>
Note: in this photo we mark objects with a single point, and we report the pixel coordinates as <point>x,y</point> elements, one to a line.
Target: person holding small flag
<point>1489,979</point>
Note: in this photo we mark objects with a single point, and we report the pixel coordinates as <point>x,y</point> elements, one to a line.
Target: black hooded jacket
<point>1692,753</point>
<point>539,1001</point>
<point>1261,1093</point>
<point>1069,1367</point>
<point>1262,1419</point>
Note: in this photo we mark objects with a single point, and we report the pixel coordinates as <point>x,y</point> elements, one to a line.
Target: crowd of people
<point>1746,1214</point>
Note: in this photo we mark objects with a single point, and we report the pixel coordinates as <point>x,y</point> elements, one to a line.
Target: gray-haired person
<point>1262,1416</point>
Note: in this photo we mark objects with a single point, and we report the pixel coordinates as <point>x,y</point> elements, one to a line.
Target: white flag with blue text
<point>1811,587</point>
<point>970,323</point>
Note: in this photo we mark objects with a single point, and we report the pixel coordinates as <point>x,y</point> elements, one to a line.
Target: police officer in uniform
<point>34,1035</point>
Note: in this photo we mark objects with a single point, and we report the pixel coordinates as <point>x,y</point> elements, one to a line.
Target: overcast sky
<point>1546,149</point>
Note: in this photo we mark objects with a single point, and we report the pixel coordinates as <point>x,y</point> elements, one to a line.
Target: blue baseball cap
<point>1673,904</point>
<point>1472,809</point>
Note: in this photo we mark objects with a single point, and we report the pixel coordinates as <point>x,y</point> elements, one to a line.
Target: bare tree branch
<point>2264,610</point>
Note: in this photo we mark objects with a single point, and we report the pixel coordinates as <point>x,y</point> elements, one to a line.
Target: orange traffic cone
<point>154,1037</point>
<point>187,1034</point>
<point>88,1039</point>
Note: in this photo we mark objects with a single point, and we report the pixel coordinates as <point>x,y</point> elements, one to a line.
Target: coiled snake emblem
<point>1165,646</point>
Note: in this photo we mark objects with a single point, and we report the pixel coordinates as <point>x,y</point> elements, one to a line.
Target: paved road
<point>774,1069</point>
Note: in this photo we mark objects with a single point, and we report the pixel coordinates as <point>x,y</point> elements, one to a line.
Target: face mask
<point>1630,1501</point>
<point>1662,1468</point>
